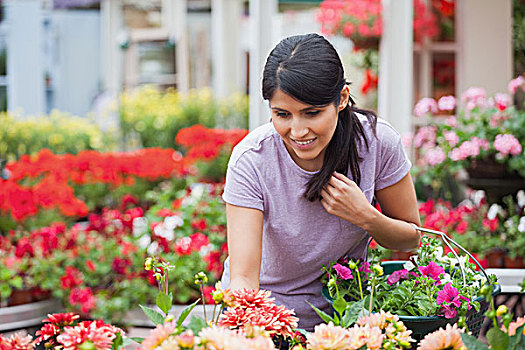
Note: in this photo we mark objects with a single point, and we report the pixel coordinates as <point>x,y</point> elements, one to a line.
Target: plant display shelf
<point>27,315</point>
<point>509,279</point>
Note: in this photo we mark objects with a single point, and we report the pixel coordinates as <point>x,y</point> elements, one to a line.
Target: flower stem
<point>203,303</point>
<point>359,280</point>
<point>372,294</point>
<point>213,316</point>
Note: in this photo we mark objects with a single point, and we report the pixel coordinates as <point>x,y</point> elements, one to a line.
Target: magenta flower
<point>431,270</point>
<point>365,267</point>
<point>396,276</point>
<point>448,311</point>
<point>449,295</point>
<point>343,272</point>
<point>514,84</point>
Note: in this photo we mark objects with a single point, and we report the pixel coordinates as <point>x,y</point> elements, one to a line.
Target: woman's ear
<point>343,102</point>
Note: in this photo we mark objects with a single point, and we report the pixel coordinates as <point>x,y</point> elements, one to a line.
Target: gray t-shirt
<point>299,236</point>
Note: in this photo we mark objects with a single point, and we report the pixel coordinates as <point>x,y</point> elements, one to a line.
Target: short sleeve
<point>243,187</point>
<point>393,163</point>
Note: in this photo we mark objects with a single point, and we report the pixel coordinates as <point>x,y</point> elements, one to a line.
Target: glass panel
<point>155,58</point>
<point>443,74</point>
<point>445,10</point>
<point>3,98</point>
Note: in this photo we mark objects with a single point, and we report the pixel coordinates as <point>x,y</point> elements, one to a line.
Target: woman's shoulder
<point>256,145</point>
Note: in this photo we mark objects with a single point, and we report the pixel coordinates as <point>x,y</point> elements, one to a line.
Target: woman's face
<point>306,130</point>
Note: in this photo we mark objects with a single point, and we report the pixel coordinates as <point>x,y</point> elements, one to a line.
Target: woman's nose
<point>298,128</point>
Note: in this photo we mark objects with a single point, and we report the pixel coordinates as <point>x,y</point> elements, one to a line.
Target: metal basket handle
<point>447,240</point>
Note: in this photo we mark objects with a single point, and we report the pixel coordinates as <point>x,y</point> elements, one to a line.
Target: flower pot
<point>496,258</point>
<point>494,178</point>
<point>19,297</point>
<point>370,43</point>
<point>515,263</point>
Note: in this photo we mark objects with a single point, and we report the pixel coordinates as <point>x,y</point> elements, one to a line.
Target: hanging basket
<point>423,325</point>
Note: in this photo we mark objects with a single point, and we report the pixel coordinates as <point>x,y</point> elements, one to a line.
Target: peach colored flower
<point>158,335</point>
<point>170,343</point>
<point>371,336</point>
<point>329,337</point>
<point>448,338</point>
<point>217,338</point>
<point>17,341</point>
<point>513,326</point>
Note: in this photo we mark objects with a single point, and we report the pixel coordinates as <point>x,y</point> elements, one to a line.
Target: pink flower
<point>513,326</point>
<point>435,156</point>
<point>507,144</point>
<point>365,267</point>
<point>452,121</point>
<point>17,341</point>
<point>158,335</point>
<point>451,137</point>
<point>468,148</point>
<point>407,139</point>
<point>502,101</point>
<point>426,134</point>
<point>396,276</point>
<point>447,103</point>
<point>514,84</point>
<point>343,272</point>
<point>99,334</point>
<point>431,270</point>
<point>424,106</point>
<point>474,97</point>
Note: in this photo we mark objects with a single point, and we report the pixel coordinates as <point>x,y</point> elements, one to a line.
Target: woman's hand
<point>343,198</point>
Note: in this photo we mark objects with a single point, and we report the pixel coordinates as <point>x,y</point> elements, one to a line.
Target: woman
<point>299,189</point>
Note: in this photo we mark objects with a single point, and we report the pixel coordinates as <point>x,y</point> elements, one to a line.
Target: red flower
<point>183,246</point>
<point>90,265</point>
<point>71,279</point>
<point>492,225</point>
<point>199,240</point>
<point>61,320</point>
<point>47,331</point>
<point>207,294</point>
<point>84,298</point>
<point>199,225</point>
<point>24,247</point>
<point>120,265</point>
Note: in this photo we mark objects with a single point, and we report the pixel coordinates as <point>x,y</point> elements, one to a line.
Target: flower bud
<point>404,344</point>
<point>462,322</point>
<point>331,282</point>
<point>502,310</point>
<point>148,264</point>
<point>491,314</point>
<point>87,345</point>
<point>169,318</point>
<point>217,296</point>
<point>352,264</point>
<point>201,278</point>
<point>485,290</point>
<point>378,269</point>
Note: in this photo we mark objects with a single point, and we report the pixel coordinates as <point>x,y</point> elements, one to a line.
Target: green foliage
<point>59,132</point>
<point>152,118</point>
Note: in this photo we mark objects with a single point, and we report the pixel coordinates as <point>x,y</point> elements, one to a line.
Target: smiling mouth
<point>304,143</point>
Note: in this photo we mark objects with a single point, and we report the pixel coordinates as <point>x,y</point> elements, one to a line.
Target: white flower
<point>153,248</point>
<point>409,265</point>
<point>162,231</point>
<point>478,197</point>
<point>172,222</point>
<point>453,261</point>
<point>521,226</point>
<point>140,226</point>
<point>144,241</point>
<point>521,198</point>
<point>494,210</point>
<point>446,279</point>
<point>437,255</point>
<point>205,250</point>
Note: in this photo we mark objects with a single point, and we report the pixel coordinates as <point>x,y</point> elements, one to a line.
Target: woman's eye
<point>281,114</point>
<point>312,113</point>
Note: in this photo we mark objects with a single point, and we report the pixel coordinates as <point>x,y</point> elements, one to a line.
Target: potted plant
<point>429,291</point>
<point>483,139</point>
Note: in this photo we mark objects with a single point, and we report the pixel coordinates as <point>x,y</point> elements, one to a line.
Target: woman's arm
<point>245,226</point>
<point>393,227</point>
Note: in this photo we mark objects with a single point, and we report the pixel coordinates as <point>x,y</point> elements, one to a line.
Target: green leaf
<point>186,312</point>
<point>117,342</point>
<point>353,311</point>
<point>339,305</point>
<point>153,315</point>
<point>472,343</point>
<point>196,324</point>
<point>517,341</point>
<point>164,302</point>
<point>137,339</point>
<point>324,316</point>
<point>497,339</point>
